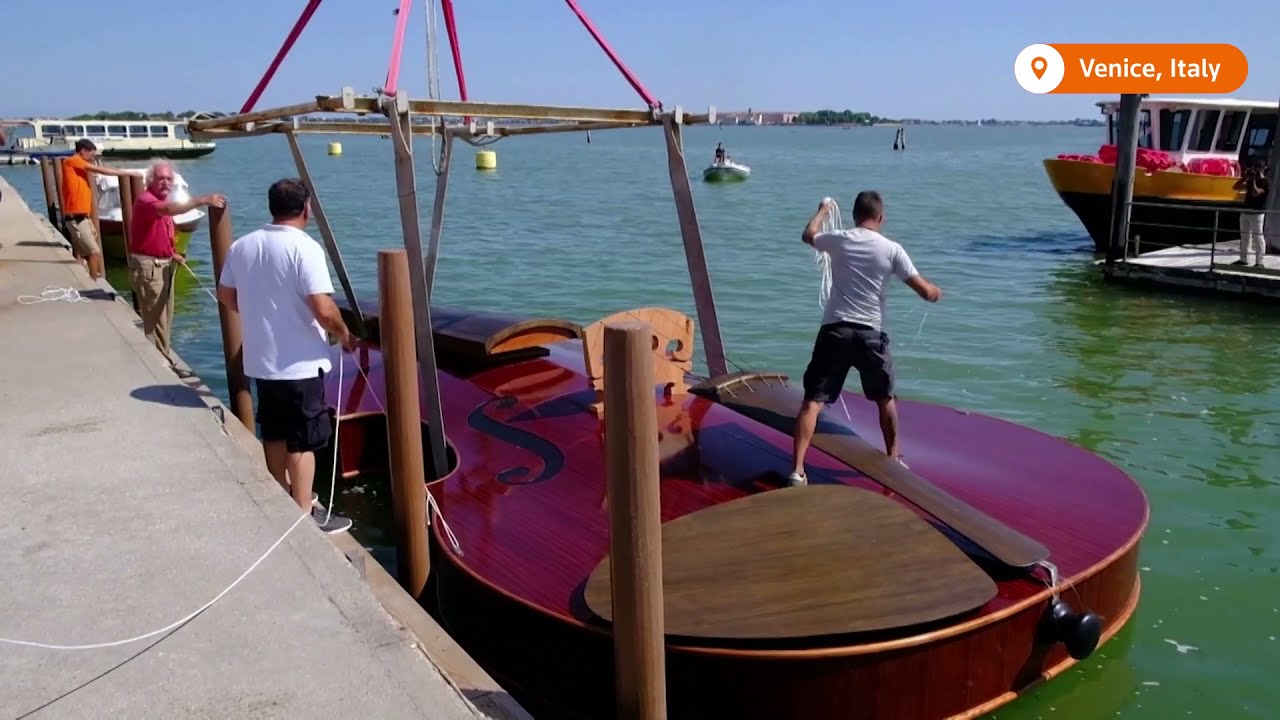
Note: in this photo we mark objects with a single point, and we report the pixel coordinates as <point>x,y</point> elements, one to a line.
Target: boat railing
<point>1230,214</point>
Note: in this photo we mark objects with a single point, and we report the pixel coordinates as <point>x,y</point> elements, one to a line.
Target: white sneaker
<point>796,479</point>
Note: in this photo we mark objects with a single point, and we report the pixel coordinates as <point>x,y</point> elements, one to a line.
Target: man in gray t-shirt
<point>852,335</point>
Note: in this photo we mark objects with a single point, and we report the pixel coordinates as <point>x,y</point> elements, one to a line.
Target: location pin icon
<point>1038,66</point>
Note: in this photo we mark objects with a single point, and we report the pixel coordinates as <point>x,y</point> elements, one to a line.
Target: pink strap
<point>393,69</point>
<point>284,50</point>
<point>644,94</point>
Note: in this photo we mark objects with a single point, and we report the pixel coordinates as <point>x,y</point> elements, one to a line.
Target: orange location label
<point>1200,68</point>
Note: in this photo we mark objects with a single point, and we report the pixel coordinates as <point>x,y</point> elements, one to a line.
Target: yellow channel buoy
<point>335,148</point>
<point>486,160</point>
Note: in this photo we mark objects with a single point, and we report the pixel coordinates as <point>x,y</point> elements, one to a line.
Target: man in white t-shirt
<point>278,280</point>
<point>851,336</point>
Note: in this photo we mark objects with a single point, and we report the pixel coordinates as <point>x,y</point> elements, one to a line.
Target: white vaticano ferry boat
<point>129,139</point>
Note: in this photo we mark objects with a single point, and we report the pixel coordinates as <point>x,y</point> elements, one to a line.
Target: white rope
<point>831,223</point>
<point>54,294</point>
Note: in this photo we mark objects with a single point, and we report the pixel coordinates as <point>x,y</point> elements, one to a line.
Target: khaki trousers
<point>152,282</point>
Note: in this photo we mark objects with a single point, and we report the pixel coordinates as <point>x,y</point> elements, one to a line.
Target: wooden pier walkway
<point>129,505</point>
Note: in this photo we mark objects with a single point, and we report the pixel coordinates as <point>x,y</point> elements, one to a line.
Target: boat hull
<point>113,238</point>
<point>726,173</point>
<point>525,499</point>
<point>176,153</point>
<point>557,671</point>
<point>1188,202</point>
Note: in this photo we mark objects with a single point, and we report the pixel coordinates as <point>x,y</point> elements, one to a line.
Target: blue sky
<point>921,58</point>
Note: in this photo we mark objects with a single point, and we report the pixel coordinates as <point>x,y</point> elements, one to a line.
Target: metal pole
<point>404,420</point>
<point>397,111</point>
<point>326,232</point>
<point>1273,194</point>
<point>635,523</point>
<point>232,340</point>
<point>699,277</point>
<point>1126,164</point>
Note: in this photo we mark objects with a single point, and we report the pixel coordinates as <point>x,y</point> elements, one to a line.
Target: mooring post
<point>50,189</point>
<point>397,111</point>
<point>1271,218</point>
<point>1122,184</point>
<point>56,162</point>
<point>635,523</point>
<point>232,341</point>
<point>404,420</point>
<point>126,210</point>
<point>699,276</point>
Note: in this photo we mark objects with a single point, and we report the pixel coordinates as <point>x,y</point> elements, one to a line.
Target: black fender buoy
<point>1079,632</point>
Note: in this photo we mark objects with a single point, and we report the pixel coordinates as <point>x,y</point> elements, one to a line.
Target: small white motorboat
<point>726,171</point>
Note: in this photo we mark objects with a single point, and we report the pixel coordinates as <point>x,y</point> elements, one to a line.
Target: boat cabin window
<point>159,131</point>
<point>1232,126</point>
<point>1173,129</point>
<point>1206,125</point>
<point>1258,140</point>
<point>117,130</point>
<point>137,131</point>
<point>1144,129</point>
<point>51,130</point>
<point>96,130</point>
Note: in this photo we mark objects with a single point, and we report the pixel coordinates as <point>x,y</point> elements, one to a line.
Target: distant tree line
<point>135,115</point>
<point>833,117</point>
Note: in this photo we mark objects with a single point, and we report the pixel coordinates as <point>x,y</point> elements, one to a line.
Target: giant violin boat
<point>997,560</point>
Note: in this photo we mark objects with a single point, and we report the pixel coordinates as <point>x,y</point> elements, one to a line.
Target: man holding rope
<point>153,249</point>
<point>851,335</point>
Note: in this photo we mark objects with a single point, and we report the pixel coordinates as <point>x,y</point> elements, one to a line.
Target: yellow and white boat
<point>1191,152</point>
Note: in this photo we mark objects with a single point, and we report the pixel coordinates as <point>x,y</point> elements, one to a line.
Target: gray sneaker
<point>336,523</point>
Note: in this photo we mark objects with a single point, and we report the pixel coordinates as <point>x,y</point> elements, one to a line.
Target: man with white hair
<point>152,250</point>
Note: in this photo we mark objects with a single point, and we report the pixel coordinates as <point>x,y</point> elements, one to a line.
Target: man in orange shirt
<point>77,203</point>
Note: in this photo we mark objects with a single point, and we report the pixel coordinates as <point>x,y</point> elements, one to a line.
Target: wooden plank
<point>459,108</point>
<point>695,255</point>
<point>805,562</point>
<point>437,213</point>
<point>326,232</point>
<point>406,186</point>
<point>775,405</point>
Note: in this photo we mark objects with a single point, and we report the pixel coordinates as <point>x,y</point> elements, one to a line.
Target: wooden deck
<point>1202,267</point>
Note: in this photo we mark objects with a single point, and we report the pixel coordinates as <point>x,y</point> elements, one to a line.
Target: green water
<point>1182,392</point>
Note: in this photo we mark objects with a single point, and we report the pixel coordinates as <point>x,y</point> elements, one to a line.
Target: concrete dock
<point>129,505</point>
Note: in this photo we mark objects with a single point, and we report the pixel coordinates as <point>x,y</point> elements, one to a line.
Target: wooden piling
<point>126,211</point>
<point>404,420</point>
<point>1122,185</point>
<point>57,182</point>
<point>635,524</point>
<point>232,341</point>
<point>50,189</point>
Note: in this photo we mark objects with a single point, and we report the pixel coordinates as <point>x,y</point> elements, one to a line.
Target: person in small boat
<point>1256,185</point>
<point>851,334</point>
<point>720,154</point>
<point>277,278</point>
<point>153,249</point>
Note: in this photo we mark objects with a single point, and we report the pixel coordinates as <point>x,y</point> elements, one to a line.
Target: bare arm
<point>815,224</point>
<point>104,170</point>
<point>227,296</point>
<point>924,288</point>
<point>173,207</point>
<point>330,318</point>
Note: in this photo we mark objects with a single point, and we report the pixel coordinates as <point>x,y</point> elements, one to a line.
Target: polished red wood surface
<point>526,500</point>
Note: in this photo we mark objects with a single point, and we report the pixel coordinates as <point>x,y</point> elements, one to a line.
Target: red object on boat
<point>526,501</point>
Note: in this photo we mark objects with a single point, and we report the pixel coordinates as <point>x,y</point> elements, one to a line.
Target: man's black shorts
<point>295,412</point>
<point>844,345</point>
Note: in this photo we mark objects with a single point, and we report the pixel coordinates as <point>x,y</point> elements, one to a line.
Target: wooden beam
<point>437,213</point>
<point>231,121</point>
<point>326,232</point>
<point>458,108</point>
<point>695,256</point>
<point>406,187</point>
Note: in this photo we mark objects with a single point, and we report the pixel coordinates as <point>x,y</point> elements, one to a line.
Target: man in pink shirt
<point>152,250</point>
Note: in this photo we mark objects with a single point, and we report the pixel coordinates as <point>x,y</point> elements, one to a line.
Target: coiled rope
<point>831,223</point>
